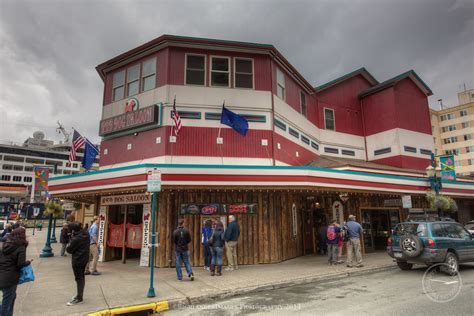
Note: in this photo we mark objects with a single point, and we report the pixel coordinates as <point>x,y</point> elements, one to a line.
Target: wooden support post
<point>124,257</point>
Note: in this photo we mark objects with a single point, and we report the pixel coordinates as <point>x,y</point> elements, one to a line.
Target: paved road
<point>393,292</point>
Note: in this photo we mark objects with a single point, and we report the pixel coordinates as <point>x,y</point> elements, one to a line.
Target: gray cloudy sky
<point>49,49</point>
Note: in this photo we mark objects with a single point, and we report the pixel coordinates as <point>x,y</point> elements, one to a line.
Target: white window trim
<point>333,116</point>
<point>186,68</point>
<point>278,84</point>
<point>301,104</point>
<point>210,70</point>
<point>235,72</point>
<point>129,82</point>
<point>142,77</point>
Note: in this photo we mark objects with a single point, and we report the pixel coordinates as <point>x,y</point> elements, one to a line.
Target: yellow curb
<point>155,307</point>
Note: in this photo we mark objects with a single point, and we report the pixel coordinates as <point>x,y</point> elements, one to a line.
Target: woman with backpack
<point>217,248</point>
<point>206,234</point>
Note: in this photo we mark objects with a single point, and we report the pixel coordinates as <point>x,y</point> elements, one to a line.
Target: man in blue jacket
<point>354,231</point>
<point>231,236</point>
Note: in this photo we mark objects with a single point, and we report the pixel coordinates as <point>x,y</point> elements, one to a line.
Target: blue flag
<point>237,122</point>
<point>90,152</point>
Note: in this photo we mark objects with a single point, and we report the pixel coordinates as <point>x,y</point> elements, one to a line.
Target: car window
<point>455,231</point>
<point>411,228</point>
<point>437,230</point>
<point>469,226</point>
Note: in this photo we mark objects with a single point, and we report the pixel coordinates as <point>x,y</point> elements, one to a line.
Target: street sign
<point>153,180</point>
<point>406,201</point>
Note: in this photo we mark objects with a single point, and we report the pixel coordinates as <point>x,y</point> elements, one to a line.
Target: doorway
<point>377,225</point>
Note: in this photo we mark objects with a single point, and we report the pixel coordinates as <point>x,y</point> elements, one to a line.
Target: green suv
<point>430,242</point>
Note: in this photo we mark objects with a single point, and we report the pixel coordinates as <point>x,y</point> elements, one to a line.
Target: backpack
<point>331,233</point>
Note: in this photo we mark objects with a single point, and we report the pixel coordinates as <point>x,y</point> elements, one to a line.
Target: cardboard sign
<point>338,212</point>
<point>102,225</point>
<point>146,237</point>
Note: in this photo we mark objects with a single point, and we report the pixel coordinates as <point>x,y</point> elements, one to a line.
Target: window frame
<point>220,71</point>
<point>122,85</point>
<point>333,118</point>
<point>127,83</point>
<point>234,72</point>
<point>463,113</point>
<point>186,70</point>
<point>279,85</point>
<point>143,77</point>
<point>303,96</point>
<point>467,137</point>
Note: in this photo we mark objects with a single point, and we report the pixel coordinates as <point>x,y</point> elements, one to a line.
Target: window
<point>463,113</point>
<point>467,137</point>
<point>329,121</point>
<point>133,74</point>
<point>470,162</point>
<point>118,85</point>
<point>303,103</point>
<point>470,149</point>
<point>348,152</point>
<point>451,128</point>
<point>382,151</point>
<point>450,140</point>
<point>106,151</point>
<point>219,71</point>
<point>331,150</point>
<point>410,149</point>
<point>6,178</point>
<point>16,179</point>
<point>243,73</point>
<point>149,74</point>
<point>75,165</point>
<point>457,163</point>
<point>18,168</point>
<point>35,161</point>
<point>13,158</point>
<point>450,116</point>
<point>195,70</point>
<point>438,231</point>
<point>28,168</point>
<point>280,84</point>
<point>27,179</point>
<point>7,167</point>
<point>455,231</point>
<point>465,125</point>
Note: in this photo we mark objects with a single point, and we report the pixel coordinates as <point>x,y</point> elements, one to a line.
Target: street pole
<point>53,236</point>
<point>47,251</point>
<point>151,290</point>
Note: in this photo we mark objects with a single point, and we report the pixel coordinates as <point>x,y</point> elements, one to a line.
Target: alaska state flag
<point>237,122</point>
<point>90,152</point>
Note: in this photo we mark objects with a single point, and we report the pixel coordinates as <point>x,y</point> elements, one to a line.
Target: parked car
<point>470,227</point>
<point>430,242</point>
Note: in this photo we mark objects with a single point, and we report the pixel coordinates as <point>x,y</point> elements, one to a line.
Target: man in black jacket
<point>181,239</point>
<point>231,236</point>
<point>79,248</point>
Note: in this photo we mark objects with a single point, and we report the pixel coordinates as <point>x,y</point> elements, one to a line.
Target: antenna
<point>61,130</point>
<point>440,103</point>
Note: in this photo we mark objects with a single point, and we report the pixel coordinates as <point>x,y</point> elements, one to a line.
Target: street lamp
<point>434,174</point>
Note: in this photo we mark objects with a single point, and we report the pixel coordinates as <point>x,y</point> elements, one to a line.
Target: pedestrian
<point>12,259</point>
<point>64,239</point>
<point>206,234</point>
<point>231,236</point>
<point>332,239</point>
<point>322,236</point>
<point>217,248</point>
<point>6,231</point>
<point>354,231</point>
<point>79,249</point>
<point>181,239</point>
<point>340,244</point>
<point>91,267</point>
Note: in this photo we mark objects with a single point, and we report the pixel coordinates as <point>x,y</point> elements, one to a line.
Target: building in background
<point>453,132</point>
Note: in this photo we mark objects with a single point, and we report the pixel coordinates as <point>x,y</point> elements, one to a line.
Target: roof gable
<point>361,71</point>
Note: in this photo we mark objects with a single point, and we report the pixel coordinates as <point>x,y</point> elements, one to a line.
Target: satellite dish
<point>39,135</point>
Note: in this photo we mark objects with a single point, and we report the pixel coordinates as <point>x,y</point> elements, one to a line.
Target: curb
<point>177,303</point>
<point>152,307</point>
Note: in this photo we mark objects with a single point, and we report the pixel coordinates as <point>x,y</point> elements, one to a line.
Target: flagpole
<point>219,134</point>
<point>172,128</point>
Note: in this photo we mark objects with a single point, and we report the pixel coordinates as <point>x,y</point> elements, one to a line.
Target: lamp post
<point>47,251</point>
<point>53,235</point>
<point>434,175</point>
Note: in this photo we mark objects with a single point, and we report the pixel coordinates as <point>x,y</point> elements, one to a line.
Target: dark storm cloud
<point>49,49</point>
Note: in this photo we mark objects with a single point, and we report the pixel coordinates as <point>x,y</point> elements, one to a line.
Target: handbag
<point>26,274</point>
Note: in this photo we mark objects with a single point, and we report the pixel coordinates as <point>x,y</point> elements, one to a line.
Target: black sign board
<point>215,208</point>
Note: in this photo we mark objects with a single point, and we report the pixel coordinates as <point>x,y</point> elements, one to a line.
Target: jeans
<point>231,253</point>
<point>63,249</point>
<point>80,279</point>
<point>217,253</point>
<point>183,256</point>
<point>207,256</point>
<point>94,257</point>
<point>8,302</point>
<point>353,247</point>
<point>332,253</point>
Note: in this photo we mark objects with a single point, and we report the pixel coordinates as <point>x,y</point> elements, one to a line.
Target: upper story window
<point>133,83</point>
<point>303,103</point>
<point>27,179</point>
<point>149,74</point>
<point>329,120</point>
<point>16,178</point>
<point>465,125</point>
<point>467,137</point>
<point>243,73</point>
<point>280,84</point>
<point>196,69</point>
<point>220,72</point>
<point>118,85</point>
<point>448,128</point>
<point>6,177</point>
<point>463,113</point>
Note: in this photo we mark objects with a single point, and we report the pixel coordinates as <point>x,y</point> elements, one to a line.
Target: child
<point>64,239</point>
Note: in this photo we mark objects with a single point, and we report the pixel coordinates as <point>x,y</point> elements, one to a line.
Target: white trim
<point>333,117</point>
<point>219,71</point>
<point>253,72</point>
<point>186,68</point>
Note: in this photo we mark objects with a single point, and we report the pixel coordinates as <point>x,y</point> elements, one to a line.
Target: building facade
<point>351,146</point>
<point>453,132</point>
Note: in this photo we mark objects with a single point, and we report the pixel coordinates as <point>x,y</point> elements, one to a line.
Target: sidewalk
<point>127,284</point>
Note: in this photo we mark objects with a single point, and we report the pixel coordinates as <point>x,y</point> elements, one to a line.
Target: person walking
<point>206,234</point>
<point>12,259</point>
<point>91,268</point>
<point>340,244</point>
<point>217,248</point>
<point>354,231</point>
<point>332,239</point>
<point>64,239</point>
<point>79,249</point>
<point>181,239</point>
<point>231,236</point>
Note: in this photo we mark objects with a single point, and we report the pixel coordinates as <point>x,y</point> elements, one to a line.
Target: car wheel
<point>452,264</point>
<point>411,245</point>
<point>403,265</point>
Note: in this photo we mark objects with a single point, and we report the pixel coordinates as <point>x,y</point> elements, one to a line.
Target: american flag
<point>176,119</point>
<point>77,142</point>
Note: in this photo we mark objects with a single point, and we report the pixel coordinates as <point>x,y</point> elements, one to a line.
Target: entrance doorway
<point>377,225</point>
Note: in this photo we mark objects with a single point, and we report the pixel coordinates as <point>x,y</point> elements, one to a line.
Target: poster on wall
<point>145,251</point>
<point>338,212</point>
<point>102,225</point>
<point>41,183</point>
<point>448,171</point>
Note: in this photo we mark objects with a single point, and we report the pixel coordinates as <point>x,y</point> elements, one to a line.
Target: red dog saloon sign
<point>129,120</point>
